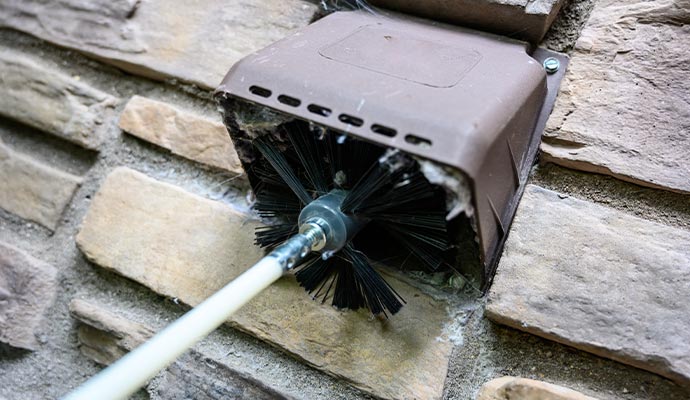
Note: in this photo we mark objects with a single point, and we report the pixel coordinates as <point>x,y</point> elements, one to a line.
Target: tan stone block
<point>183,133</point>
<point>624,105</point>
<point>196,42</point>
<point>184,246</point>
<point>27,290</point>
<point>511,388</point>
<point>599,280</point>
<point>45,98</point>
<point>33,190</point>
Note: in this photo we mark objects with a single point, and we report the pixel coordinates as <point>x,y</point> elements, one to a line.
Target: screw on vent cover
<point>551,65</point>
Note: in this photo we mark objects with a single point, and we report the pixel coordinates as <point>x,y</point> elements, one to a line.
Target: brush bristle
<point>383,186</point>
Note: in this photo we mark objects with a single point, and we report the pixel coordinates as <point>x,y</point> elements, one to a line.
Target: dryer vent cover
<point>468,106</point>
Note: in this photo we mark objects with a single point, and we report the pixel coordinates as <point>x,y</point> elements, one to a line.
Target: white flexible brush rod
<point>131,372</point>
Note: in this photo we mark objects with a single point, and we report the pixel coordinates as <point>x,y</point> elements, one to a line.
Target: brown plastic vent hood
<point>472,103</point>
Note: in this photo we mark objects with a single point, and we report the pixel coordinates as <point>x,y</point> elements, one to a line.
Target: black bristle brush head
<point>383,186</point>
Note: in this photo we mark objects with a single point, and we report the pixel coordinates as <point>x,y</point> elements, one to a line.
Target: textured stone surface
<point>599,280</point>
<point>184,246</point>
<point>624,106</point>
<point>181,132</point>
<point>33,190</point>
<point>523,19</point>
<point>27,289</point>
<point>45,98</point>
<point>512,388</point>
<point>193,41</point>
<point>194,376</point>
<point>105,337</point>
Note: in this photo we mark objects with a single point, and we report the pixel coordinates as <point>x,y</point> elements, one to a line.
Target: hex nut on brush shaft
<point>297,248</point>
<point>325,212</point>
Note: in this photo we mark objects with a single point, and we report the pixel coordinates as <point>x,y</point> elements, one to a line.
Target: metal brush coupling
<point>338,227</point>
<point>323,227</point>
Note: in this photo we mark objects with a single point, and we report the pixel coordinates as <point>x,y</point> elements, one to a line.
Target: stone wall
<point>122,204</point>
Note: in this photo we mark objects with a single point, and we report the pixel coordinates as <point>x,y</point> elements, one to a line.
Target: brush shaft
<point>131,372</point>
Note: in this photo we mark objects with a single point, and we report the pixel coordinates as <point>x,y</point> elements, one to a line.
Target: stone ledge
<point>195,42</point>
<point>521,19</point>
<point>512,388</point>
<point>32,190</point>
<point>599,280</point>
<point>623,106</point>
<point>181,245</point>
<point>183,133</point>
<point>105,337</point>
<point>47,99</point>
<point>27,289</point>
